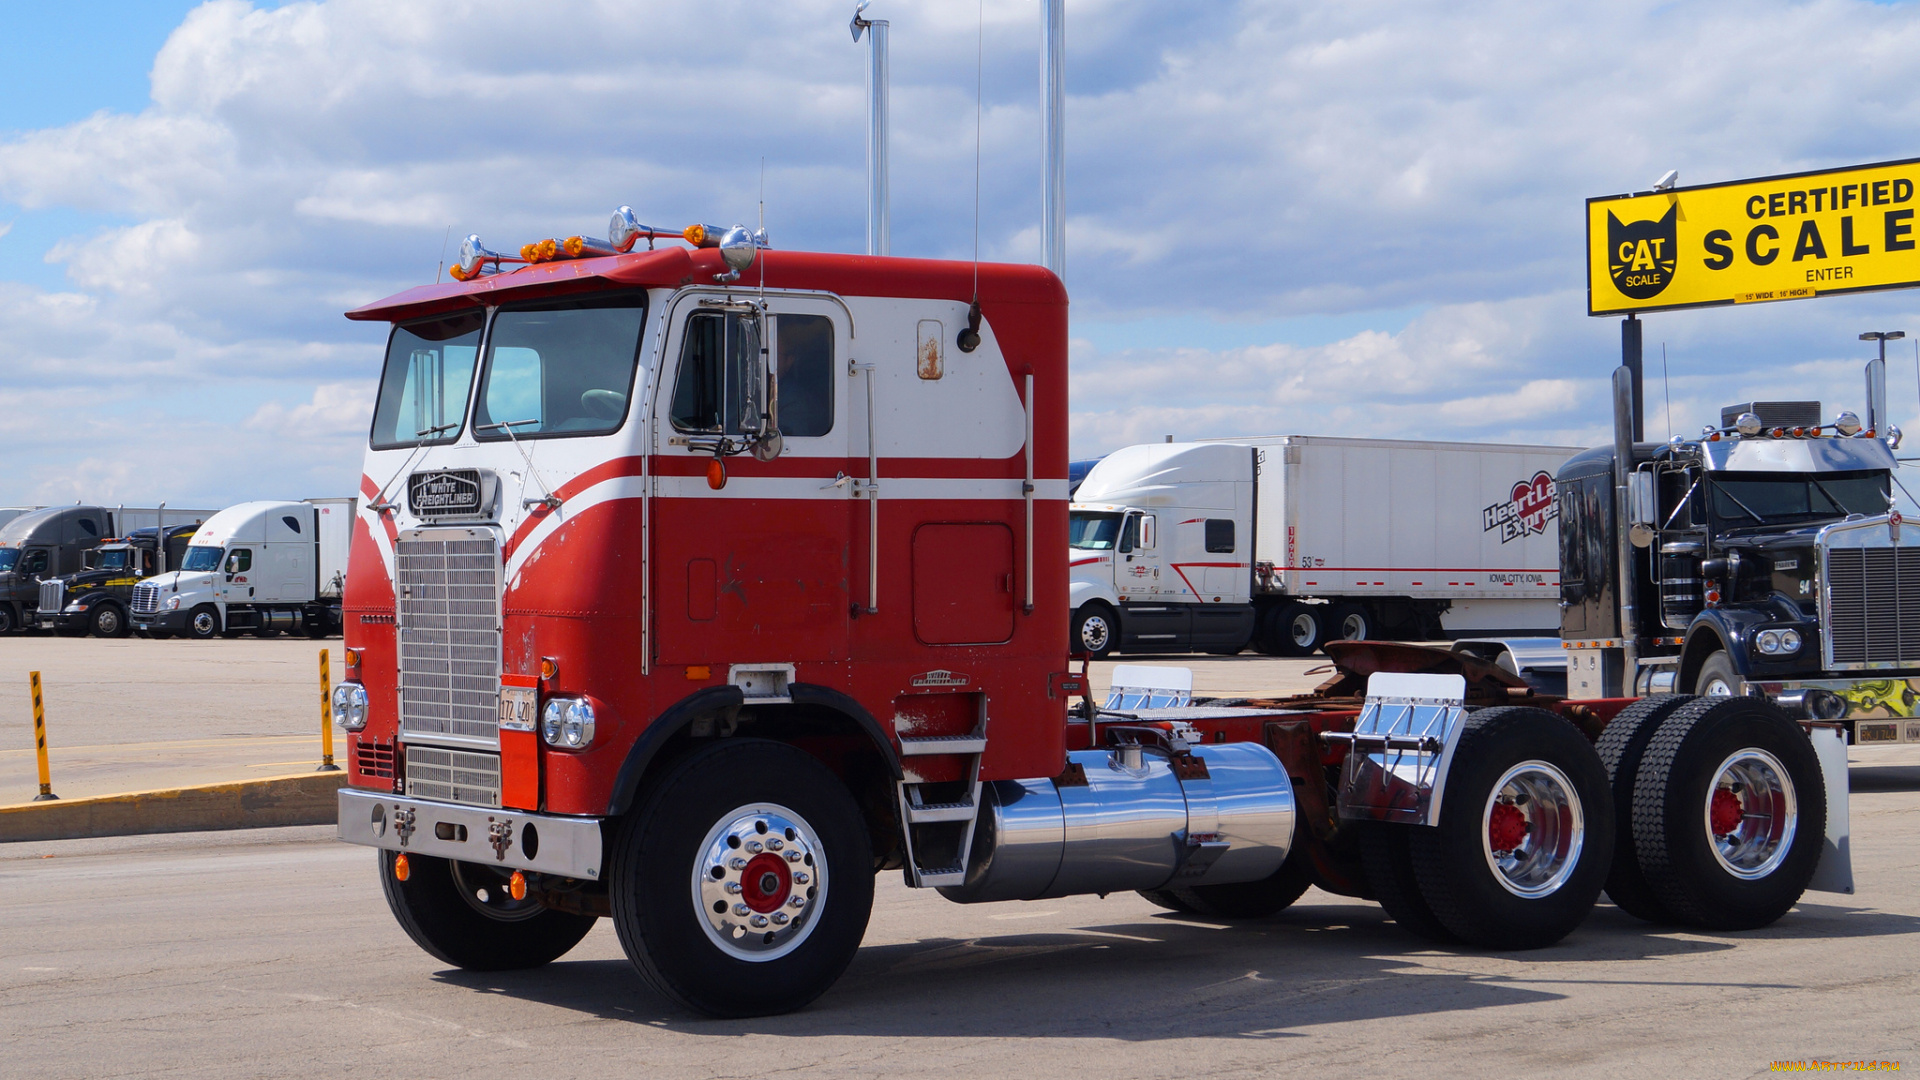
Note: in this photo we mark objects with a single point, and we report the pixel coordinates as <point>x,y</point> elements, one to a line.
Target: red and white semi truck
<point>692,587</point>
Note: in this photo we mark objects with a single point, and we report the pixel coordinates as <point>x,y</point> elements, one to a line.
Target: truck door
<point>237,577</point>
<point>758,570</point>
<point>1154,615</point>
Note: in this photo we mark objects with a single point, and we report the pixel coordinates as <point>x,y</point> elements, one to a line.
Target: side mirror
<point>233,565</point>
<point>1641,507</point>
<point>759,386</point>
<point>1146,530</point>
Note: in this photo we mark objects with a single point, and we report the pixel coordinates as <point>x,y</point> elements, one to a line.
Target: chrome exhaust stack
<point>1133,817</point>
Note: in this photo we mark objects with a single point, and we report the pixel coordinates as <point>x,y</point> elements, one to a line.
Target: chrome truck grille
<point>459,776</point>
<point>1872,596</point>
<point>53,597</point>
<point>146,599</point>
<point>448,611</point>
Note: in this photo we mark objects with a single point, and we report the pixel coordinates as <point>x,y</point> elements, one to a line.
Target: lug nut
<point>758,920</point>
<point>775,844</point>
<point>800,877</point>
<point>796,901</point>
<point>737,863</point>
<point>733,887</point>
<point>754,846</point>
<point>779,918</point>
<point>794,856</point>
<point>741,910</point>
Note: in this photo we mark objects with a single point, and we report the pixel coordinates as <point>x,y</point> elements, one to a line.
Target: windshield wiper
<point>1743,506</point>
<point>380,505</point>
<point>1828,495</point>
<point>550,501</point>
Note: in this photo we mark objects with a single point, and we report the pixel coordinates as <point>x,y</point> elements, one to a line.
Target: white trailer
<point>1287,541</point>
<point>263,566</point>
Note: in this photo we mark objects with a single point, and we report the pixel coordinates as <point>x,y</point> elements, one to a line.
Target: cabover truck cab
<point>1285,542</point>
<point>98,600</point>
<point>1765,557</point>
<point>263,566</point>
<point>694,586</point>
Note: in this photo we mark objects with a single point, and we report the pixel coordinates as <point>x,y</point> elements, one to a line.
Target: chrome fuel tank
<point>1134,824</point>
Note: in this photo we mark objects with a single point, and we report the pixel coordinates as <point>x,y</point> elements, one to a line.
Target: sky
<point>1363,218</point>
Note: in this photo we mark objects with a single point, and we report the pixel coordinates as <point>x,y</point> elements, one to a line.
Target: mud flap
<point>1834,872</point>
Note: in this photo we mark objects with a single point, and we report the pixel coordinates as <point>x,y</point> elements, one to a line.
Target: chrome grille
<point>459,776</point>
<point>1873,607</point>
<point>449,630</point>
<point>146,599</point>
<point>53,597</point>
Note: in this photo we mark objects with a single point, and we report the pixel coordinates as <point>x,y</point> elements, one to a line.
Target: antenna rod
<point>1053,107</point>
<point>879,240</point>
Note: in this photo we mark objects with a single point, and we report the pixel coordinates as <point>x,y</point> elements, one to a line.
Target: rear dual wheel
<point>742,883</point>
<point>1523,842</point>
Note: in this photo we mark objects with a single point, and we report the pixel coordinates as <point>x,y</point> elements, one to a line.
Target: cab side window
<point>805,360</point>
<point>1220,536</point>
<point>239,560</point>
<point>714,386</point>
<point>34,563</point>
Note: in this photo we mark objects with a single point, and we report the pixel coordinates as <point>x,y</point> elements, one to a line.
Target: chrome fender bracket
<point>1401,748</point>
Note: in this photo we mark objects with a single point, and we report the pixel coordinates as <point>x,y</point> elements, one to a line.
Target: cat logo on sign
<point>1642,256</point>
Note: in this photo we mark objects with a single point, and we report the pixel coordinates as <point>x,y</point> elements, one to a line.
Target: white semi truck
<point>1285,542</point>
<point>264,566</point>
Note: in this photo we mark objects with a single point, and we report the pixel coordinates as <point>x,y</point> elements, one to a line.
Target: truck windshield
<point>1766,500</point>
<point>423,391</point>
<point>111,559</point>
<point>7,558</point>
<point>201,558</point>
<point>1093,532</point>
<point>560,368</point>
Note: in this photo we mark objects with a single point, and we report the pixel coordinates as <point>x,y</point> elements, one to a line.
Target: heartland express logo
<point>1526,512</point>
<point>1642,256</point>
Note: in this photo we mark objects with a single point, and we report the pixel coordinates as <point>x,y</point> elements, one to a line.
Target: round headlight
<point>551,718</point>
<point>1769,641</point>
<point>1789,641</point>
<point>577,731</point>
<point>350,706</point>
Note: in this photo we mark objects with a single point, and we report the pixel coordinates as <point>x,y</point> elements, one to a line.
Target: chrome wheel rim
<point>1305,630</point>
<point>1094,633</point>
<point>203,624</point>
<point>1532,829</point>
<point>1354,628</point>
<point>1751,814</point>
<point>484,888</point>
<point>108,621</point>
<point>759,880</point>
<point>1716,687</point>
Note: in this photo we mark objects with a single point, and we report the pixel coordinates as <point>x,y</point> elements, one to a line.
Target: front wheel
<point>107,621</point>
<point>1729,813</point>
<point>203,623</point>
<point>1525,836</point>
<point>742,883</point>
<point>1717,679</point>
<point>462,914</point>
<point>7,623</point>
<point>1094,630</point>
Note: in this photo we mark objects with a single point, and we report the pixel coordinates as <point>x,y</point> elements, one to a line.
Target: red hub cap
<point>1725,815</point>
<point>1506,827</point>
<point>766,883</point>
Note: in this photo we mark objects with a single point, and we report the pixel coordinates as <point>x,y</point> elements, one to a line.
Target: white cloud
<point>1239,160</point>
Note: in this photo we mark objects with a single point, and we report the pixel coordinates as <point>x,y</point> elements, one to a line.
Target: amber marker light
<point>549,669</point>
<point>401,870</point>
<point>517,886</point>
<point>353,658</point>
<point>716,474</point>
<point>699,673</point>
<point>695,234</point>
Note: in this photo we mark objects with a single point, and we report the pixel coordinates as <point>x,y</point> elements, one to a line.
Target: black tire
<point>1298,629</point>
<point>1673,816</point>
<point>203,623</point>
<point>1350,622</point>
<point>1541,898</point>
<point>317,626</point>
<point>1621,747</point>
<point>1251,899</point>
<point>436,909</point>
<point>1096,630</point>
<point>1717,677</point>
<point>678,826</point>
<point>8,624</point>
<point>108,621</point>
<point>1387,856</point>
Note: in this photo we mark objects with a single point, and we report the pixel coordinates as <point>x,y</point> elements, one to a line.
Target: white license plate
<point>517,707</point>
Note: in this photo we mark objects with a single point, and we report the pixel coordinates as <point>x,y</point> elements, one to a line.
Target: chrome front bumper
<point>566,846</point>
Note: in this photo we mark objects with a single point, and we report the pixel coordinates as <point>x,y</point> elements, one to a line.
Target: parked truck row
<point>264,567</point>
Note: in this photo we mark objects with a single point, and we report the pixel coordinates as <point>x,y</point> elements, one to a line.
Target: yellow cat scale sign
<point>1776,238</point>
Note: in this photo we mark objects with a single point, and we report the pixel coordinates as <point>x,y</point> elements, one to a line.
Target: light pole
<point>1877,379</point>
<point>1053,138</point>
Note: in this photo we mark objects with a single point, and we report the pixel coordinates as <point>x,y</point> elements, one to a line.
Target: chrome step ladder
<point>952,822</point>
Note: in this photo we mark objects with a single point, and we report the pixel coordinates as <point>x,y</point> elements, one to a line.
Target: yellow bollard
<point>40,740</point>
<point>326,719</point>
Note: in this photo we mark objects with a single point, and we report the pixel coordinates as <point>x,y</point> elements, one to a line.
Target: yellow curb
<point>301,799</point>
